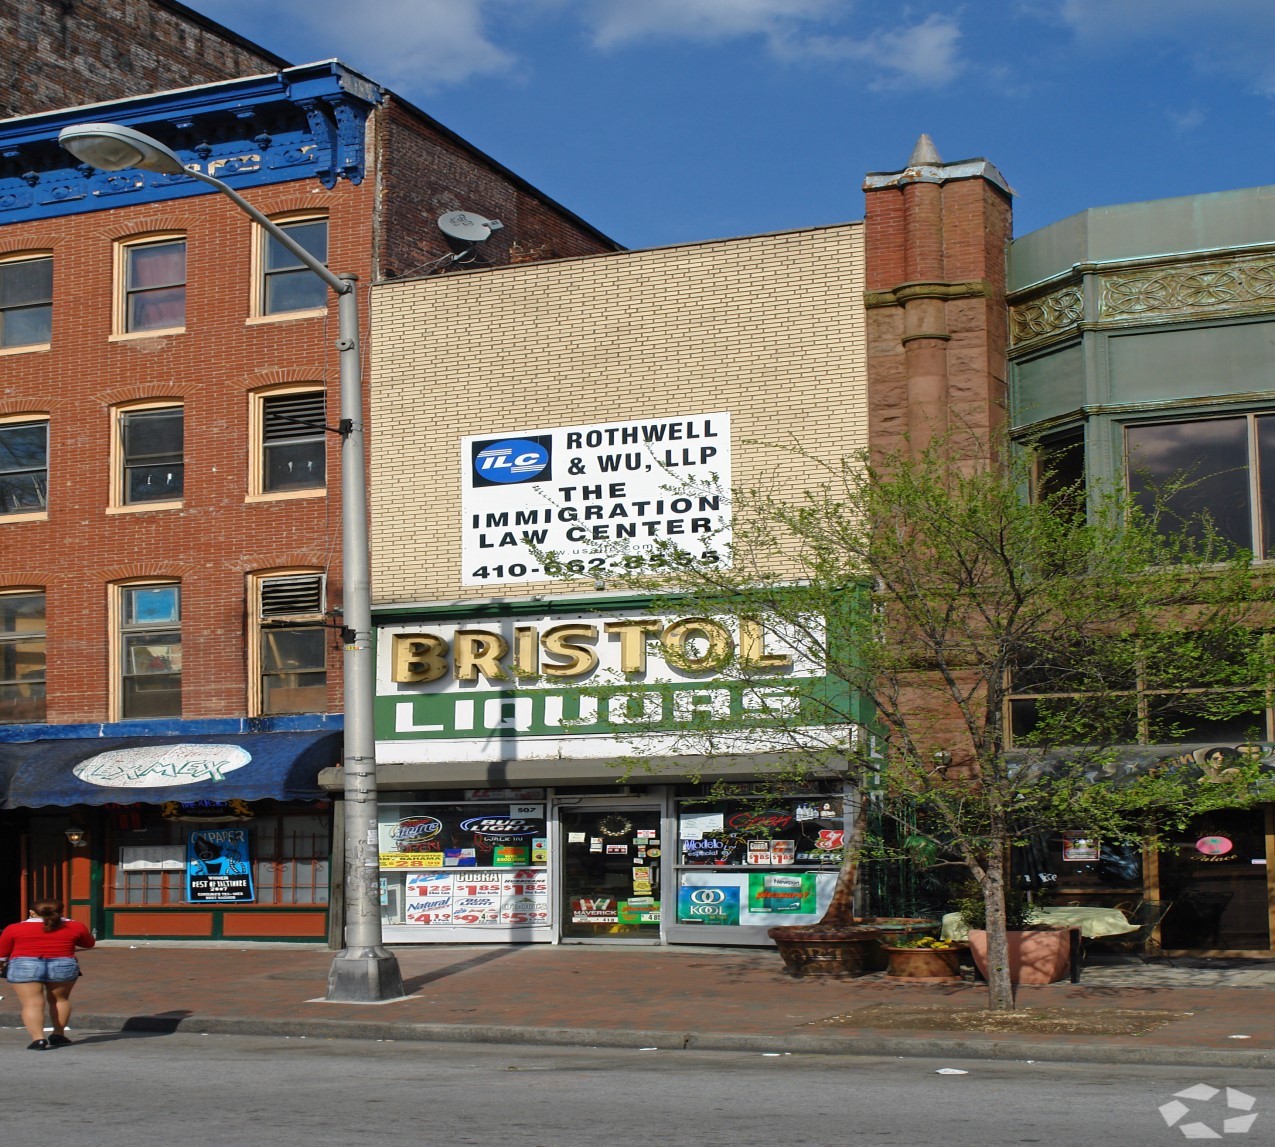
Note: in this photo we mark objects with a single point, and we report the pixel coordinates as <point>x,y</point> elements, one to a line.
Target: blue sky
<point>667,121</point>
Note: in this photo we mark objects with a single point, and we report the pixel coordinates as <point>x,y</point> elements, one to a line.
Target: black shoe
<point>38,1045</point>
<point>58,1040</point>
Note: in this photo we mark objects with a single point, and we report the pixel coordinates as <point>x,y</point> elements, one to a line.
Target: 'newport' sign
<point>161,766</point>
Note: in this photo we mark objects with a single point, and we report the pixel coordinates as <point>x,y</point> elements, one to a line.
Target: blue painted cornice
<point>295,124</point>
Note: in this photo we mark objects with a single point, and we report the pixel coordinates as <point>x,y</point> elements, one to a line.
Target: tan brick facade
<point>769,328</point>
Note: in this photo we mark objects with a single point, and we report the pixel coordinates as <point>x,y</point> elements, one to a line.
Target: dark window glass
<point>22,657</point>
<point>294,645</point>
<point>293,442</point>
<point>288,284</point>
<point>150,651</point>
<point>26,302</point>
<point>1200,470</point>
<point>155,286</point>
<point>1061,472</point>
<point>1266,484</point>
<point>24,467</point>
<point>153,457</point>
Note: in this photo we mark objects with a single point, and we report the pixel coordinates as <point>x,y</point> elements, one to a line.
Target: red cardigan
<point>30,939</point>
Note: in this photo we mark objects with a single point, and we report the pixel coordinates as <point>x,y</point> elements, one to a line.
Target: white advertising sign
<point>598,496</point>
<point>161,766</point>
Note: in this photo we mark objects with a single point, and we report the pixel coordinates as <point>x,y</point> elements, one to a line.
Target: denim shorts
<point>41,970</point>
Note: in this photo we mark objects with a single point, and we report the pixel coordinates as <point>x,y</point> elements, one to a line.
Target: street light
<point>363,971</point>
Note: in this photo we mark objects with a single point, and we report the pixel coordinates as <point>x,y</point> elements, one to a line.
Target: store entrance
<point>611,872</point>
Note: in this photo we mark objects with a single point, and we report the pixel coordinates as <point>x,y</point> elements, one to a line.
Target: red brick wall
<point>61,53</point>
<point>425,173</point>
<point>215,538</point>
<point>953,234</point>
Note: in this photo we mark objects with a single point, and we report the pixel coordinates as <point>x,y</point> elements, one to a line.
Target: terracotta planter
<point>1037,956</point>
<point>828,949</point>
<point>895,928</point>
<point>924,963</point>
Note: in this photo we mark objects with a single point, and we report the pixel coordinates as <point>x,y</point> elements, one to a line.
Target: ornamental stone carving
<point>1184,291</point>
<point>1039,318</point>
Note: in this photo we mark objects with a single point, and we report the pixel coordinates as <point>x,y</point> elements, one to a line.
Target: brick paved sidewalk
<point>679,997</point>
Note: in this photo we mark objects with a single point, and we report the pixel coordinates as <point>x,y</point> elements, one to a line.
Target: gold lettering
<point>526,651</point>
<point>568,641</point>
<point>476,651</point>
<point>678,653</point>
<point>752,648</point>
<point>418,657</point>
<point>633,642</point>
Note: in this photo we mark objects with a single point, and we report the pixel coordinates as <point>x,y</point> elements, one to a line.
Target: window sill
<point>142,507</point>
<point>288,495</point>
<point>287,316</point>
<point>27,349</point>
<point>136,336</point>
<point>34,516</point>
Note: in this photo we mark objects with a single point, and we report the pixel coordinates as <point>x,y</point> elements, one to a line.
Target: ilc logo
<point>504,461</point>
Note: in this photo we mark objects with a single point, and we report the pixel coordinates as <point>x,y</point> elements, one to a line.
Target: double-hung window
<point>151,454</point>
<point>291,643</point>
<point>24,466</point>
<point>285,283</point>
<point>22,656</point>
<point>153,285</point>
<point>291,442</point>
<point>26,301</point>
<point>149,645</point>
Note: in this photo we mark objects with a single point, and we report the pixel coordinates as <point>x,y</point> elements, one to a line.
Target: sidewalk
<point>696,998</point>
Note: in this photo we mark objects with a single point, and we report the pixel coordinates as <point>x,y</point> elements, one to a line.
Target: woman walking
<point>40,963</point>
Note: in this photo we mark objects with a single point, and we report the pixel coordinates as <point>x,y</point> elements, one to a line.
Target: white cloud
<point>920,55</point>
<point>420,45</point>
<point>403,44</point>
<point>1229,38</point>
<point>615,22</point>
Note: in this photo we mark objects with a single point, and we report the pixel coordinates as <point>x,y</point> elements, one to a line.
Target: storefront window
<point>757,862</point>
<point>468,865</point>
<point>288,855</point>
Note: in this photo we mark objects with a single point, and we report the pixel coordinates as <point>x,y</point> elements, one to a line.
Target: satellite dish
<point>467,227</point>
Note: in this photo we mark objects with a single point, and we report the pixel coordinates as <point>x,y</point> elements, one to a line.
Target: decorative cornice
<point>302,122</point>
<point>905,292</point>
<point>1147,293</point>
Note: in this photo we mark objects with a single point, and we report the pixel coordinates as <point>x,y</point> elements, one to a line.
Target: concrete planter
<point>1036,956</point>
<point>924,963</point>
<point>828,949</point>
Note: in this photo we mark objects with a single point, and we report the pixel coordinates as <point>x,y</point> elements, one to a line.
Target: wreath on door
<point>613,824</point>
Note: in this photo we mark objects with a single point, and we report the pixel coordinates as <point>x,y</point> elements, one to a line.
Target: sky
<point>672,121</point>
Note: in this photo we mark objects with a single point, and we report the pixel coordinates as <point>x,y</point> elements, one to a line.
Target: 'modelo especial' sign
<point>595,496</point>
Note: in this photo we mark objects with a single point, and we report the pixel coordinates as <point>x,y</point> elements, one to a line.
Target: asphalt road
<point>115,1090</point>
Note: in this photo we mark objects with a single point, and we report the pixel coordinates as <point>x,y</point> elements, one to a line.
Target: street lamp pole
<point>363,971</point>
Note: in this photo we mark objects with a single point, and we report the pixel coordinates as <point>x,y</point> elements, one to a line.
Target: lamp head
<point>112,147</point>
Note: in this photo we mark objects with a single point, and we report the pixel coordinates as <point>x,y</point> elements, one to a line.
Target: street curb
<point>858,1045</point>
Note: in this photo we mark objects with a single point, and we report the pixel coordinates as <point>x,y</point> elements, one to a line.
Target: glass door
<point>1216,879</point>
<point>611,872</point>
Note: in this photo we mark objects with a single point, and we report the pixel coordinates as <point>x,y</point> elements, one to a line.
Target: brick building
<point>63,53</point>
<point>170,526</point>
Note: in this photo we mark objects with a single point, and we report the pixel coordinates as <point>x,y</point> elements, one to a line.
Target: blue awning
<point>152,770</point>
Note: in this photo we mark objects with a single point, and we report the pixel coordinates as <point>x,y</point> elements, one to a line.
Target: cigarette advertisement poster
<point>219,867</point>
<point>781,891</point>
